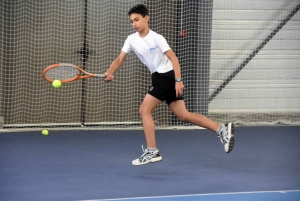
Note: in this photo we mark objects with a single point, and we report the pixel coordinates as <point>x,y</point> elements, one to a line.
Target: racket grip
<point>100,75</point>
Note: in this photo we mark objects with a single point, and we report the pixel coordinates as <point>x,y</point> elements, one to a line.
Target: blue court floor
<point>96,165</point>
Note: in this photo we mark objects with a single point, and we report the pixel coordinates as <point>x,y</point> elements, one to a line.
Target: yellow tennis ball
<point>45,132</point>
<point>56,83</point>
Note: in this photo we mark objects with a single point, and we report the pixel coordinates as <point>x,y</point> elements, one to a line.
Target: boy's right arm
<point>115,65</point>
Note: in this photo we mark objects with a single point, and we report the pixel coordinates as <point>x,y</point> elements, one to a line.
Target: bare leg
<point>179,109</point>
<point>146,110</point>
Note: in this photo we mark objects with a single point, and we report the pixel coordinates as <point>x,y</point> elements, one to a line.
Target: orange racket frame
<point>79,76</point>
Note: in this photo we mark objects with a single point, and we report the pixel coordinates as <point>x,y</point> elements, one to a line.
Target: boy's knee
<point>143,111</point>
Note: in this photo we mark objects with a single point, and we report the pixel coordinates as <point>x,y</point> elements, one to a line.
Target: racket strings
<point>62,73</point>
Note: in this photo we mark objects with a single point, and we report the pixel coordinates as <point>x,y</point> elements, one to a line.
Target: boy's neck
<point>144,32</point>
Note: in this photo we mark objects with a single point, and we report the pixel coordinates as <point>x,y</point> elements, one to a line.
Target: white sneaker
<point>227,137</point>
<point>147,157</point>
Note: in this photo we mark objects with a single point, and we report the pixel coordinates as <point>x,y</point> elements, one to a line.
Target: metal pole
<point>85,56</point>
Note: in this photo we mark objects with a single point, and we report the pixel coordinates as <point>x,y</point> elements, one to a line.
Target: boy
<point>153,51</point>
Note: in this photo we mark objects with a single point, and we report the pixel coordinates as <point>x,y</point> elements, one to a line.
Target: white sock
<point>151,149</point>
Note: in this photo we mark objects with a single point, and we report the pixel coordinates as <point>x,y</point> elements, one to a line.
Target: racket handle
<point>100,75</point>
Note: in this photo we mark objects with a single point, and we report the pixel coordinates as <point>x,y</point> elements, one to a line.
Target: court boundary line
<point>191,195</point>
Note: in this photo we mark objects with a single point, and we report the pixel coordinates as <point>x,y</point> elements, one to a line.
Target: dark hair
<point>139,9</point>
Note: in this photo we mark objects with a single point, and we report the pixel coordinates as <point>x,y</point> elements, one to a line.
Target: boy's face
<point>139,23</point>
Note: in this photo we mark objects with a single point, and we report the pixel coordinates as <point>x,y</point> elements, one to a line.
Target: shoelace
<point>143,148</point>
<point>146,153</point>
<point>143,153</point>
<point>224,135</point>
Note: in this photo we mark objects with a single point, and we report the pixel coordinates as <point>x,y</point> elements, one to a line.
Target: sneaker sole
<point>231,141</point>
<point>153,160</point>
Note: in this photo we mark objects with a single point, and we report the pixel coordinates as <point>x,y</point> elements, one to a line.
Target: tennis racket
<point>67,73</point>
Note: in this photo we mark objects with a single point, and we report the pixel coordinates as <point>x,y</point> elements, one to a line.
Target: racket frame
<point>77,77</point>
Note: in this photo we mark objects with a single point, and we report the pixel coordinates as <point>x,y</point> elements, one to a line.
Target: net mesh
<point>211,40</point>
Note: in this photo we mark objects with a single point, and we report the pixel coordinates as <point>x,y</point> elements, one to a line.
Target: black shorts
<point>163,87</point>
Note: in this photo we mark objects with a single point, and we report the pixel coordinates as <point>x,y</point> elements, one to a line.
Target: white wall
<point>270,82</point>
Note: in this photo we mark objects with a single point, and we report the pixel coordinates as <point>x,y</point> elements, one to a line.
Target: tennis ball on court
<point>45,132</point>
<point>56,83</point>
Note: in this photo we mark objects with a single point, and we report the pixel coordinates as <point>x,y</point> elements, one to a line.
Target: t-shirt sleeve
<point>127,45</point>
<point>162,43</point>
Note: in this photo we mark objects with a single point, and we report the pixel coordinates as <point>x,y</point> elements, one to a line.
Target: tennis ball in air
<point>56,83</point>
<point>45,132</point>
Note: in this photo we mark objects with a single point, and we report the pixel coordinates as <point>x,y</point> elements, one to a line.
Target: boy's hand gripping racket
<point>67,73</point>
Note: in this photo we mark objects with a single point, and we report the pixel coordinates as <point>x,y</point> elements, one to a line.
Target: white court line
<point>194,195</point>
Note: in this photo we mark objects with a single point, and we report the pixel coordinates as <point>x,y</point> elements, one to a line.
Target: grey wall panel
<point>268,93</point>
<point>271,80</point>
<point>252,15</point>
<point>270,74</point>
<point>254,5</point>
<point>244,84</point>
<point>256,106</point>
<point>272,45</point>
<point>253,25</point>
<point>253,34</point>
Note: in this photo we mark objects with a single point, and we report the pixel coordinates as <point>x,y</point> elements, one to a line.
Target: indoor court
<point>239,62</point>
<point>96,165</point>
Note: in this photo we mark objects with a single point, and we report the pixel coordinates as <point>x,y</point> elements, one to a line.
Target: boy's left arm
<point>173,58</point>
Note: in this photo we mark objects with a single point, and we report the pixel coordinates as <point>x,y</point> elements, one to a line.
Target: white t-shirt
<point>150,50</point>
